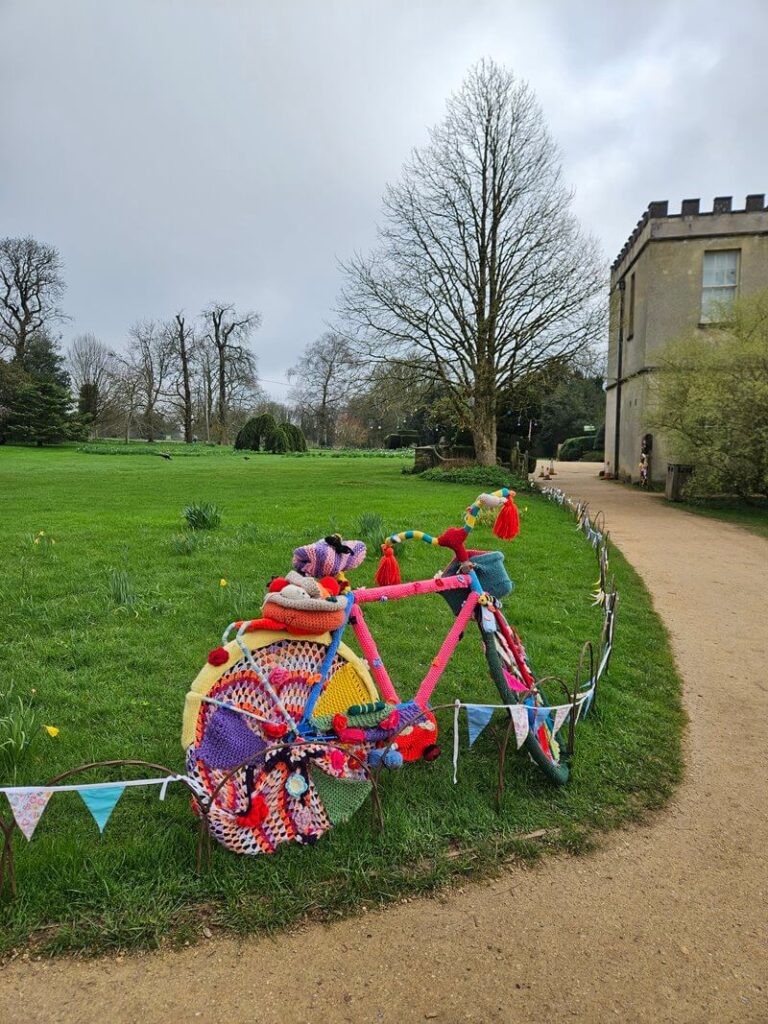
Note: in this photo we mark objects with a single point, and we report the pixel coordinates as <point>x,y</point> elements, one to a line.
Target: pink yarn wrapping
<point>393,593</point>
<point>449,645</point>
<point>372,656</point>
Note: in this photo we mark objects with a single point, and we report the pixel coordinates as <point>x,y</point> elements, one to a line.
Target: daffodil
<point>222,582</point>
<point>52,730</point>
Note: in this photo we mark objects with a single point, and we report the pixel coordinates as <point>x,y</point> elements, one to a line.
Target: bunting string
<point>27,803</point>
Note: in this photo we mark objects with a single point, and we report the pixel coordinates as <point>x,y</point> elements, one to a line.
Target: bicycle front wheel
<point>515,682</point>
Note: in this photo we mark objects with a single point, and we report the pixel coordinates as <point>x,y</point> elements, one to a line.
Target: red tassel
<point>388,572</point>
<point>507,525</point>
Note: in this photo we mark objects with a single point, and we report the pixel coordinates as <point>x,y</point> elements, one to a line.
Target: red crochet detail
<point>218,656</point>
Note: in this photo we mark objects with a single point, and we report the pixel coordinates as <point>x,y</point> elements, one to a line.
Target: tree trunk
<point>484,434</point>
<point>185,381</point>
<point>222,411</point>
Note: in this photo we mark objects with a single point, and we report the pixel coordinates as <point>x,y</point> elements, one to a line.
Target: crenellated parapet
<point>692,221</point>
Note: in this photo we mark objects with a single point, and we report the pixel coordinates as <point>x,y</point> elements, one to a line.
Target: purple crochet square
<point>228,741</point>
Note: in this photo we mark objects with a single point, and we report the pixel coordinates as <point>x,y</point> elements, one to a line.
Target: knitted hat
<point>329,556</point>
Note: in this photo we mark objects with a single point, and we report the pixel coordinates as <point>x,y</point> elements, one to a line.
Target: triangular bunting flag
<point>519,714</point>
<point>101,802</point>
<point>477,719</point>
<point>28,809</point>
<point>560,716</point>
<point>340,797</point>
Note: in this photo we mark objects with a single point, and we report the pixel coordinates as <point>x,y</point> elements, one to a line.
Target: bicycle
<point>284,727</point>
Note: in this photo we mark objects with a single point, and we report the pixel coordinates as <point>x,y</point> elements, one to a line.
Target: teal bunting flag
<point>477,719</point>
<point>101,802</point>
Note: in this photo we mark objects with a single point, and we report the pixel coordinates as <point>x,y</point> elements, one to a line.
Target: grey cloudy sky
<point>178,151</point>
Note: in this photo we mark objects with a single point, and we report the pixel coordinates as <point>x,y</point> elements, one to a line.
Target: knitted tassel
<point>388,572</point>
<point>507,525</point>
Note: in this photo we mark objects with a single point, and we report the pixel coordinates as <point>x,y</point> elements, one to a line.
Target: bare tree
<point>150,360</point>
<point>129,379</point>
<point>481,266</point>
<point>31,285</point>
<point>227,334</point>
<point>325,375</point>
<point>204,384</point>
<point>93,368</point>
<point>180,338</point>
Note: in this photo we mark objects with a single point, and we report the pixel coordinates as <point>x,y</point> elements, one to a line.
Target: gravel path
<point>667,922</point>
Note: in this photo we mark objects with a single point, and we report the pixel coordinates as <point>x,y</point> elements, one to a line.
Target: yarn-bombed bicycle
<point>285,723</point>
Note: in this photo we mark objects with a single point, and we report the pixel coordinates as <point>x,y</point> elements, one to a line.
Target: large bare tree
<point>94,371</point>
<point>31,285</point>
<point>325,377</point>
<point>225,334</point>
<point>481,266</point>
<point>180,338</point>
<point>149,362</point>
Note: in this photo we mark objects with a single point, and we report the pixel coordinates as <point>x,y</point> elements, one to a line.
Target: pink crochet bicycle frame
<point>395,593</point>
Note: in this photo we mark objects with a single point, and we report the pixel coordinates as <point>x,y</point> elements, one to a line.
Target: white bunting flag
<point>519,714</point>
<point>560,716</point>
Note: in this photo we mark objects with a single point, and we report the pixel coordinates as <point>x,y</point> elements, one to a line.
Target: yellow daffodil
<point>222,582</point>
<point>52,730</point>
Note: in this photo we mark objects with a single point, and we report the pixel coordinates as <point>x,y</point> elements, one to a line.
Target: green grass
<point>110,624</point>
<point>752,517</point>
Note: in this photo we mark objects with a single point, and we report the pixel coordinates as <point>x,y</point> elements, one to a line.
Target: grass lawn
<point>110,625</point>
<point>752,517</point>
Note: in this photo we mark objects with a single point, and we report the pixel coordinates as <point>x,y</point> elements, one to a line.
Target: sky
<point>182,151</point>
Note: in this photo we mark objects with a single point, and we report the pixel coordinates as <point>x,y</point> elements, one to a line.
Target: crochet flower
<point>218,656</point>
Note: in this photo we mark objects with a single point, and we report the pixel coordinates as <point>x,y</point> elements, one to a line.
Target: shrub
<point>485,476</point>
<point>593,457</point>
<point>712,402</point>
<point>253,433</point>
<point>573,448</point>
<point>277,441</point>
<point>142,448</point>
<point>295,435</point>
<point>202,515</point>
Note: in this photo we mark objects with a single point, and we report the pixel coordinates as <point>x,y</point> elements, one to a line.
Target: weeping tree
<point>482,274</point>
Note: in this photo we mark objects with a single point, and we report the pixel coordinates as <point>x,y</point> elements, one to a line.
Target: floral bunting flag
<point>560,716</point>
<point>519,714</point>
<point>27,808</point>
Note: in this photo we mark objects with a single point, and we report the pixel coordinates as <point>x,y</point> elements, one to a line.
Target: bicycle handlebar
<point>484,500</point>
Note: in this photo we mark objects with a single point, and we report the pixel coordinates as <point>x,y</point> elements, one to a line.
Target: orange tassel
<point>507,525</point>
<point>388,572</point>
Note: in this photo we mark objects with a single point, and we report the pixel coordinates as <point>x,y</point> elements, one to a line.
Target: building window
<point>631,321</point>
<point>719,282</point>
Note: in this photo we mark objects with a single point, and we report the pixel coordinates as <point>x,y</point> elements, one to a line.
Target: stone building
<point>672,274</point>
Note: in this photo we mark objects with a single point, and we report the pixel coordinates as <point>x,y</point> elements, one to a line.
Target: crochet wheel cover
<point>276,799</point>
